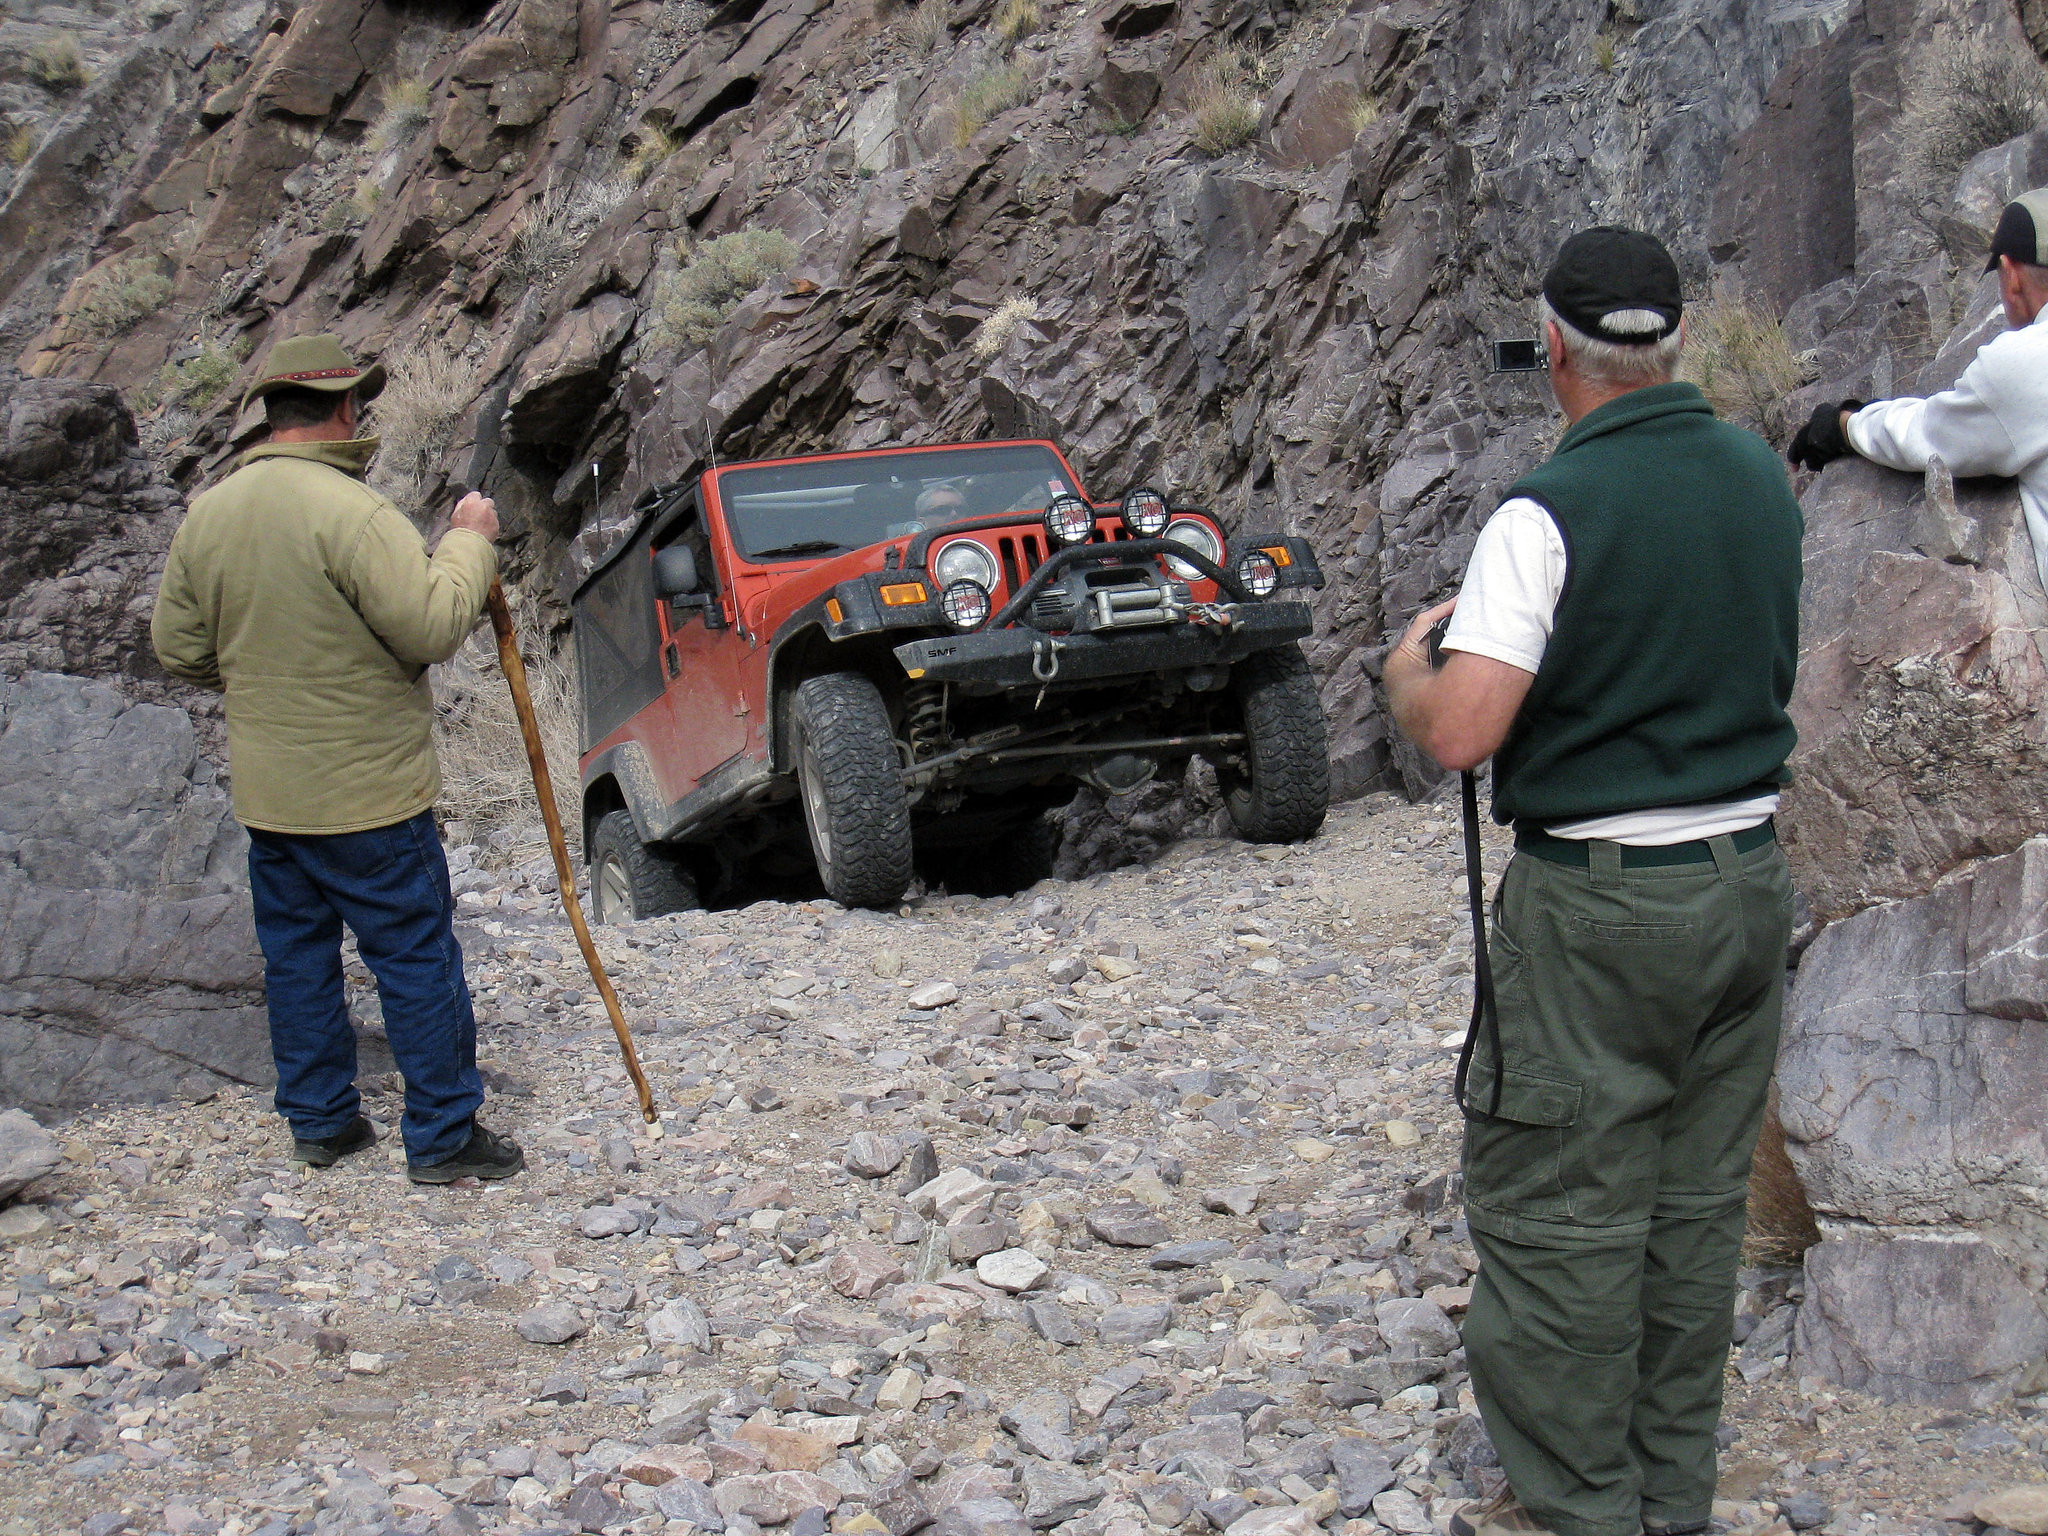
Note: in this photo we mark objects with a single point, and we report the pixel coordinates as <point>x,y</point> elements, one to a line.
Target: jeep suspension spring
<point>924,719</point>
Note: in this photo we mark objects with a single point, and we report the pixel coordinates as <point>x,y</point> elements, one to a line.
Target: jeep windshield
<point>823,507</point>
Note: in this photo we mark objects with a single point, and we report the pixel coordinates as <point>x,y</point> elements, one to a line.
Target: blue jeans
<point>390,886</point>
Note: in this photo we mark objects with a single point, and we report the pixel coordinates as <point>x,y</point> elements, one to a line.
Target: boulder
<point>27,1153</point>
<point>128,960</point>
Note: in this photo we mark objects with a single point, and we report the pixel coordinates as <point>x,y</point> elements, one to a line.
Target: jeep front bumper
<point>1021,657</point>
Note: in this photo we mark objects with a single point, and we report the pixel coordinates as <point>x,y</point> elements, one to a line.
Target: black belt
<point>1538,843</point>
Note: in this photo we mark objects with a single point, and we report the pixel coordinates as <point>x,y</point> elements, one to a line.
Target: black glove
<point>1822,441</point>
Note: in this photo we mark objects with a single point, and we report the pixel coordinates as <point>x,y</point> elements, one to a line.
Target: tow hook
<point>1045,659</point>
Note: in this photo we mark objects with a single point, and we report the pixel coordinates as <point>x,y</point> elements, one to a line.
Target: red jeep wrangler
<point>906,657</point>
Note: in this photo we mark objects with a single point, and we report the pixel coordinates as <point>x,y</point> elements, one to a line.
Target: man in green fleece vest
<point>311,602</point>
<point>1623,649</point>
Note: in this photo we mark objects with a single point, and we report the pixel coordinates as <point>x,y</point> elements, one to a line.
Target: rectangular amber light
<point>1280,555</point>
<point>833,611</point>
<point>904,593</point>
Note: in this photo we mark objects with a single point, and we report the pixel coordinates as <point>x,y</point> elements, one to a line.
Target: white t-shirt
<point>1505,610</point>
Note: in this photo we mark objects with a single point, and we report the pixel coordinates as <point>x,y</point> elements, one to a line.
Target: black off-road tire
<point>630,881</point>
<point>1283,791</point>
<point>1015,860</point>
<point>849,780</point>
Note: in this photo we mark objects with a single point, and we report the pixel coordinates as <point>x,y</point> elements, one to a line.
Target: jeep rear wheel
<point>630,881</point>
<point>1282,791</point>
<point>850,780</point>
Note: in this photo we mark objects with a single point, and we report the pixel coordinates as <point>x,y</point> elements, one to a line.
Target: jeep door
<point>702,720</point>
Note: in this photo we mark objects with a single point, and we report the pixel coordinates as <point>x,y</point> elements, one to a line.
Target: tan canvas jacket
<point>312,603</point>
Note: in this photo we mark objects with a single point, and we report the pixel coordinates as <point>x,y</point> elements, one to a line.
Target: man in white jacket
<point>1995,420</point>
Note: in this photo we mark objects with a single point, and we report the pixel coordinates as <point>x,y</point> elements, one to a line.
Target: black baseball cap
<point>1607,269</point>
<point>2021,231</point>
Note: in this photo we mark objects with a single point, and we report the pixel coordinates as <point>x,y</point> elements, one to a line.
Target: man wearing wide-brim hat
<point>311,602</point>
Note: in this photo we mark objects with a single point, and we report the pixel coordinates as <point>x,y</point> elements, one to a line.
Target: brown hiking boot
<point>1501,1515</point>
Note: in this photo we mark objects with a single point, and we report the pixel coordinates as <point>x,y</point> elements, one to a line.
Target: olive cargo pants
<point>1639,1012</point>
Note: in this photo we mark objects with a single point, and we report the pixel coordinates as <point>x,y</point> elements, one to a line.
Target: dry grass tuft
<point>408,103</point>
<point>1365,112</point>
<point>1604,49</point>
<point>22,144</point>
<point>485,780</point>
<point>1781,1225</point>
<point>995,332</point>
<point>987,95</point>
<point>355,209</point>
<point>652,145</point>
<point>119,294</point>
<point>431,389</point>
<point>1972,97</point>
<point>57,63</point>
<point>1224,104</point>
<point>1744,364</point>
<point>924,26</point>
<point>557,223</point>
<point>1017,20</point>
<point>694,300</point>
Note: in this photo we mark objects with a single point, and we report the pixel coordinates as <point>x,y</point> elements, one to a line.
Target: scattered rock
<point>1013,1269</point>
<point>553,1322</point>
<point>27,1153</point>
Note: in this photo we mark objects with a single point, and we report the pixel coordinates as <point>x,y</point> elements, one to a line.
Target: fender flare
<point>627,765</point>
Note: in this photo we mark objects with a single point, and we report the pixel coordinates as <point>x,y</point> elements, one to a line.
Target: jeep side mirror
<point>675,571</point>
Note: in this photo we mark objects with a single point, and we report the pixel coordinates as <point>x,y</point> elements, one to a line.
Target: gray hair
<point>1648,362</point>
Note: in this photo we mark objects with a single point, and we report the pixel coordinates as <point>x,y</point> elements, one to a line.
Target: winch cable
<point>514,668</point>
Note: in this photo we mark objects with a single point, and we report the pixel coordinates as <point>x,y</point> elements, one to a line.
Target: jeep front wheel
<point>629,880</point>
<point>1282,791</point>
<point>850,779</point>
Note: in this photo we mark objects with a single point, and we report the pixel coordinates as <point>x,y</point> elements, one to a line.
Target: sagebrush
<point>1972,96</point>
<point>695,299</point>
<point>430,389</point>
<point>1224,104</point>
<point>485,778</point>
<point>197,383</point>
<point>1738,354</point>
<point>120,293</point>
<point>557,223</point>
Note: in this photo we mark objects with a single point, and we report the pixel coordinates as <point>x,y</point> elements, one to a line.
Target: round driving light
<point>1258,573</point>
<point>965,604</point>
<point>1069,520</point>
<point>965,560</point>
<point>1198,537</point>
<point>1145,513</point>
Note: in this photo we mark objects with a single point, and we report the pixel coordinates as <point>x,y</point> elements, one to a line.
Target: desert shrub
<point>1971,97</point>
<point>1744,363</point>
<point>120,293</point>
<point>694,300</point>
<point>1365,111</point>
<point>924,26</point>
<point>57,63</point>
<point>355,207</point>
<point>1781,1224</point>
<point>1604,53</point>
<point>994,333</point>
<point>21,144</point>
<point>989,93</point>
<point>485,780</point>
<point>198,382</point>
<point>430,388</point>
<point>556,223</point>
<point>1017,20</point>
<point>652,144</point>
<point>1225,109</point>
<point>407,104</point>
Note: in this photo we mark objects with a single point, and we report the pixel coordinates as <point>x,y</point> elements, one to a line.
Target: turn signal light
<point>1278,554</point>
<point>903,593</point>
<point>833,611</point>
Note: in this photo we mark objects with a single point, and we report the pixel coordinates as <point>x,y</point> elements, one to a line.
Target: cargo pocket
<point>1514,1163</point>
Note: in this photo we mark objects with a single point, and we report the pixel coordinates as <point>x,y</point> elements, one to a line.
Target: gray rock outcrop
<point>27,1153</point>
<point>1915,1054</point>
<point>128,961</point>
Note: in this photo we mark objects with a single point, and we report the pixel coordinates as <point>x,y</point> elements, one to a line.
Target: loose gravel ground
<point>1122,1206</point>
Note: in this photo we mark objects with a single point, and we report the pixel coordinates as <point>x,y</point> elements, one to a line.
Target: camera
<point>1435,638</point>
<point>1518,356</point>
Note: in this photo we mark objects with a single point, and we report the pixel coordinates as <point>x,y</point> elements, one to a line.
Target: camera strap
<point>1483,1008</point>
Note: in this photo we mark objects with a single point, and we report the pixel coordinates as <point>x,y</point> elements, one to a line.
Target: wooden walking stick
<point>565,877</point>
